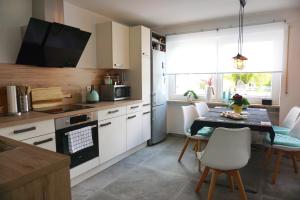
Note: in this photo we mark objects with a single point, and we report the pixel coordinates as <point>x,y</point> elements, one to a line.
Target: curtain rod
<point>226,27</point>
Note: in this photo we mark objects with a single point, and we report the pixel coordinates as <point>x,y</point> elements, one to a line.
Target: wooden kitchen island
<point>31,173</point>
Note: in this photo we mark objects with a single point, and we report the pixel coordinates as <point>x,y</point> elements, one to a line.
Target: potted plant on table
<point>238,102</point>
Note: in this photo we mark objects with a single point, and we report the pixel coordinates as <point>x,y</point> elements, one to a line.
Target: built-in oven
<point>77,136</point>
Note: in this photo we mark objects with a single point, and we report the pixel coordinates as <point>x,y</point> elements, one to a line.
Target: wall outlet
<point>88,88</point>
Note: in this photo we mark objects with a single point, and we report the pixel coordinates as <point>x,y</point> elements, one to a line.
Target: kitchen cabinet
<point>44,141</point>
<point>112,138</point>
<point>139,74</point>
<point>30,130</point>
<point>134,130</point>
<point>112,45</point>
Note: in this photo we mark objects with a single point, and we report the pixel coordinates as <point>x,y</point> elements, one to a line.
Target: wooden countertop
<point>24,163</point>
<point>30,117</point>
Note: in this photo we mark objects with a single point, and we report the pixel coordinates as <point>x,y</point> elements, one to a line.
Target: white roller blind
<point>192,53</point>
<point>212,51</point>
<point>264,46</point>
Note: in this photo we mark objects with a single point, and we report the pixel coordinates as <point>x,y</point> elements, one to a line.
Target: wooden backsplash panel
<point>71,80</point>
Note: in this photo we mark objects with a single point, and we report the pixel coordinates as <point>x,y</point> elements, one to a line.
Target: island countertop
<point>21,163</point>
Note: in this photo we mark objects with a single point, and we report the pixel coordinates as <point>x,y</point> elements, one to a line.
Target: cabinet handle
<point>145,113</point>
<point>118,65</point>
<point>134,107</point>
<point>147,104</point>
<point>113,111</point>
<point>106,124</point>
<point>131,117</point>
<point>43,141</point>
<point>24,130</point>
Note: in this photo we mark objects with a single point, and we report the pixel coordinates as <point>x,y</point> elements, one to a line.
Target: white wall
<point>85,20</point>
<point>15,14</point>
<point>292,16</point>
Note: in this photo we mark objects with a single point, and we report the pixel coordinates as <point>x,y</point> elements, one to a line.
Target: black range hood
<point>48,44</point>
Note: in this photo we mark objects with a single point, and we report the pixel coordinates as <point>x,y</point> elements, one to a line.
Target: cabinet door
<point>146,79</point>
<point>120,46</point>
<point>145,37</point>
<point>134,130</point>
<point>112,138</point>
<point>146,128</point>
<point>44,141</point>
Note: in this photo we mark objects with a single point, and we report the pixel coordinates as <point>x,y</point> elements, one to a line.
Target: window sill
<point>217,103</point>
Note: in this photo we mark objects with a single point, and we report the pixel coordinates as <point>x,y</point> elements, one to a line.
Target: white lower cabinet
<point>112,138</point>
<point>134,130</point>
<point>146,127</point>
<point>44,141</point>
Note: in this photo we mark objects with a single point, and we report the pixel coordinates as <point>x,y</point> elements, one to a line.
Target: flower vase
<point>237,109</point>
<point>209,93</point>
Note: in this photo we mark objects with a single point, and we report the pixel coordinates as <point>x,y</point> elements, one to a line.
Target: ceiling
<point>157,13</point>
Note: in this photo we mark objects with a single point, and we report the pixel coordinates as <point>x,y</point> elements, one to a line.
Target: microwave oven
<point>114,92</point>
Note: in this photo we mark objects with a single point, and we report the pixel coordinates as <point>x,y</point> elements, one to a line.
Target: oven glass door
<point>83,155</point>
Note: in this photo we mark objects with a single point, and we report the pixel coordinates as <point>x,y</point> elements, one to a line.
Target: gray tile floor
<point>154,174</point>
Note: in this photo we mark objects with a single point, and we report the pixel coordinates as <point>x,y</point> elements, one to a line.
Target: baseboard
<point>101,167</point>
<point>176,135</point>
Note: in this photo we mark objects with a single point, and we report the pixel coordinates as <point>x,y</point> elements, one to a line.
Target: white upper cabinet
<point>112,45</point>
<point>140,63</point>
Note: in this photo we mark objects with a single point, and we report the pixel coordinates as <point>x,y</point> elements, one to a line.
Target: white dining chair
<point>285,144</point>
<point>189,115</point>
<point>288,121</point>
<point>202,108</point>
<point>287,124</point>
<point>227,151</point>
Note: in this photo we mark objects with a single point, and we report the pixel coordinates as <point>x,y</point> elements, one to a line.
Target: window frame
<point>218,85</point>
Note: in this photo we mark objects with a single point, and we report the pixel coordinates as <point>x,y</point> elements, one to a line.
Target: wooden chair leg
<point>230,182</point>
<point>202,179</point>
<point>186,143</point>
<point>194,147</point>
<point>294,163</point>
<point>199,150</point>
<point>277,167</point>
<point>239,182</point>
<point>212,185</point>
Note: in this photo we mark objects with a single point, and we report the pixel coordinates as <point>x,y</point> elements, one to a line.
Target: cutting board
<point>47,97</point>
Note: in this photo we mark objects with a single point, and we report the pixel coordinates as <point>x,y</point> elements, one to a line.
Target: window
<point>195,82</point>
<point>252,85</point>
<point>195,59</point>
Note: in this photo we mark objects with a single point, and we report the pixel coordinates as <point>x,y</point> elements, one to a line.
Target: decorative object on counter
<point>108,80</point>
<point>209,90</point>
<point>238,103</point>
<point>190,95</point>
<point>23,93</point>
<point>233,115</point>
<point>92,96</point>
<point>12,101</point>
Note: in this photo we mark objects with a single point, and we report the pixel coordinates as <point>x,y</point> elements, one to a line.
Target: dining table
<point>256,119</point>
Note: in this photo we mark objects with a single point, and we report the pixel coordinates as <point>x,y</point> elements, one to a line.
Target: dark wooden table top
<point>257,120</point>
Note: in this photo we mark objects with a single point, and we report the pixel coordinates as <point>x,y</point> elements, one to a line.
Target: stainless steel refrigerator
<point>159,97</point>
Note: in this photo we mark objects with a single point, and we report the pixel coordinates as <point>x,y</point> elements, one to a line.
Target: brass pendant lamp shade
<point>239,59</point>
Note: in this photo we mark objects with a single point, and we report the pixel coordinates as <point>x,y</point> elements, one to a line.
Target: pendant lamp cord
<point>241,29</point>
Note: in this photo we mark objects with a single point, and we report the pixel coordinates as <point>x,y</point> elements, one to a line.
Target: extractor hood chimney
<point>48,10</point>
